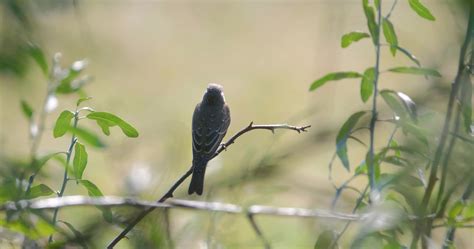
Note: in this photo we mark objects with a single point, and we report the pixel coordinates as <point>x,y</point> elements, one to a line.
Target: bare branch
<point>224,146</point>
<point>112,201</point>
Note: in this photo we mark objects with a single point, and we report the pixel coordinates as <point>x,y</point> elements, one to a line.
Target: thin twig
<point>448,225</point>
<point>391,9</point>
<point>258,231</point>
<point>342,187</point>
<point>169,193</point>
<point>359,201</point>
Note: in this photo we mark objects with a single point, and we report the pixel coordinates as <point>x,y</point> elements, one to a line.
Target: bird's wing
<point>198,132</point>
<point>208,134</point>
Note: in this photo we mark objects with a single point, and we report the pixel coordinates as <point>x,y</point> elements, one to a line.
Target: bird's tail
<point>197,180</point>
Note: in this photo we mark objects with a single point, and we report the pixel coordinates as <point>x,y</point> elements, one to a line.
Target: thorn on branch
<point>224,146</point>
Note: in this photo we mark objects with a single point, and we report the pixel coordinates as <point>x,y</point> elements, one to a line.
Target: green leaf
<point>79,101</point>
<point>110,119</point>
<point>87,137</point>
<point>104,126</point>
<point>409,104</point>
<point>396,160</point>
<point>371,24</point>
<point>80,160</point>
<point>107,214</point>
<point>343,135</point>
<point>367,84</point>
<point>401,104</point>
<point>421,10</point>
<point>94,191</point>
<point>361,168</point>
<point>417,131</point>
<point>351,37</point>
<point>416,70</point>
<point>333,76</point>
<point>394,144</point>
<point>39,190</point>
<point>37,54</point>
<point>40,162</point>
<point>62,123</point>
<point>468,212</point>
<point>326,240</point>
<point>409,150</point>
<point>76,233</point>
<point>27,109</point>
<point>40,229</point>
<point>455,210</point>
<point>466,100</point>
<point>390,35</point>
<point>409,55</point>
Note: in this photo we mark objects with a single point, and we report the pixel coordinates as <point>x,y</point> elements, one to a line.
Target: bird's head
<point>214,95</point>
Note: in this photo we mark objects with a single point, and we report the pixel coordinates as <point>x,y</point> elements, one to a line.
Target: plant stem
<point>373,120</point>
<point>65,177</point>
<point>421,225</point>
<point>50,89</point>
<point>37,138</point>
<point>346,226</point>
<point>444,166</point>
<point>258,231</point>
<point>361,197</point>
<point>452,230</point>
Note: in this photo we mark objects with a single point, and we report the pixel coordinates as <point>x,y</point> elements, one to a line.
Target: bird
<point>211,119</point>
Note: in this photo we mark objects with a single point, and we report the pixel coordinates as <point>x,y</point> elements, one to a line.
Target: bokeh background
<point>151,62</point>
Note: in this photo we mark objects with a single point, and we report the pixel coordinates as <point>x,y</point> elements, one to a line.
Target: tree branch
<point>113,201</point>
<point>224,146</point>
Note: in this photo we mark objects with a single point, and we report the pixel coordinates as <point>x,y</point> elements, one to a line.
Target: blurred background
<point>151,62</point>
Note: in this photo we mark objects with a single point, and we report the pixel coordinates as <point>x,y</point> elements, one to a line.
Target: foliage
<point>61,82</point>
<point>384,183</point>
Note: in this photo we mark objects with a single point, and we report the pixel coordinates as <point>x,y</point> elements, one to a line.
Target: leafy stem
<point>373,120</point>
<point>65,177</point>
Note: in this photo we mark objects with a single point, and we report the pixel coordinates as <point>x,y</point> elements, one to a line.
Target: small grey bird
<point>211,119</point>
